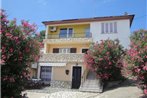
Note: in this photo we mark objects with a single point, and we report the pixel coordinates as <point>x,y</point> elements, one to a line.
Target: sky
<point>37,11</point>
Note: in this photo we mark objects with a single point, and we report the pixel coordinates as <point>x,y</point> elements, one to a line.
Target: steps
<point>91,84</point>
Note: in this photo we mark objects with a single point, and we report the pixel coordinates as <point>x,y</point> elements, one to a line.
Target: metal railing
<point>73,35</point>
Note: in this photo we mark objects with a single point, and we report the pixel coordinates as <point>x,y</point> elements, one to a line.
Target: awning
<point>52,64</point>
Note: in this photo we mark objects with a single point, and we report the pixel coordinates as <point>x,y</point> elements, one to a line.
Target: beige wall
<point>78,46</point>
<point>33,72</point>
<point>58,73</point>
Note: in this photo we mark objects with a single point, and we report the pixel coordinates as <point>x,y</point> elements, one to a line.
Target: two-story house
<point>66,41</point>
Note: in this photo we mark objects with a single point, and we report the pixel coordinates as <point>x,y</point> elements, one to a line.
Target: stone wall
<point>57,57</point>
<point>61,84</point>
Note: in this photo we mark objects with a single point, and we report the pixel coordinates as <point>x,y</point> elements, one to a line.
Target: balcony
<point>69,38</point>
<point>59,57</point>
<point>72,35</point>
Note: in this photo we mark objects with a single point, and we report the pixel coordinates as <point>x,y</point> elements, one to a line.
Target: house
<point>66,41</point>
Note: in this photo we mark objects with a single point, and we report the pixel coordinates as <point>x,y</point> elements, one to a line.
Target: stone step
<point>91,84</point>
<point>91,87</point>
<point>98,90</point>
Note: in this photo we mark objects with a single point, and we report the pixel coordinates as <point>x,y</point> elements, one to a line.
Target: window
<point>63,33</point>
<point>84,51</point>
<point>66,32</point>
<point>55,50</point>
<point>64,50</point>
<point>45,73</point>
<point>115,27</point>
<point>107,28</point>
<point>73,50</point>
<point>111,27</point>
<point>102,27</point>
<point>87,32</point>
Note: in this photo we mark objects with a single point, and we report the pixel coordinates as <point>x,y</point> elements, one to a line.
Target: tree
<point>136,58</point>
<point>18,50</point>
<point>105,59</point>
<point>40,36</point>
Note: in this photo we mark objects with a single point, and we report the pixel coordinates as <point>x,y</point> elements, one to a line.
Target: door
<point>45,73</point>
<point>76,77</point>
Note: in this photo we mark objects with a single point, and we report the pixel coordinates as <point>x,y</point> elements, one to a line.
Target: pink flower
<point>110,63</point>
<point>3,56</point>
<point>11,79</point>
<point>8,34</point>
<point>15,37</point>
<point>145,91</point>
<point>27,50</point>
<point>11,49</point>
<point>100,59</point>
<point>107,53</point>
<point>125,64</point>
<point>145,68</point>
<point>137,70</point>
<point>25,23</point>
<point>2,62</point>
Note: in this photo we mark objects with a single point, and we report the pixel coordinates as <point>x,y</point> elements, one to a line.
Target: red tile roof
<point>107,18</point>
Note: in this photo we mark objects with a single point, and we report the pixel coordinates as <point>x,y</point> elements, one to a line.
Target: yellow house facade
<point>65,46</point>
<point>66,42</point>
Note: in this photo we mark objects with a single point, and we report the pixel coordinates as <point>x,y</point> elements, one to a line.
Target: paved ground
<point>121,92</point>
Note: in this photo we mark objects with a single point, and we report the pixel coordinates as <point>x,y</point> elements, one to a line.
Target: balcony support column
<point>45,48</point>
<point>46,33</point>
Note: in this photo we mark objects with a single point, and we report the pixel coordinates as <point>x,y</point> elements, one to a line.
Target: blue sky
<point>37,11</point>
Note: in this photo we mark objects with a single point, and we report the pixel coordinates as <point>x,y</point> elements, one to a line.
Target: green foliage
<point>40,36</point>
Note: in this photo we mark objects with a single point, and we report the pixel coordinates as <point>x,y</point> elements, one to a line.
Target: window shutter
<point>73,50</point>
<point>102,27</point>
<point>115,27</point>
<point>55,50</point>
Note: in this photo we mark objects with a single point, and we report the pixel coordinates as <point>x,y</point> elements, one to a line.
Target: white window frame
<point>61,50</point>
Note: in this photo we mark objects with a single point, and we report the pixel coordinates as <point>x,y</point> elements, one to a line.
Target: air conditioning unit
<point>53,28</point>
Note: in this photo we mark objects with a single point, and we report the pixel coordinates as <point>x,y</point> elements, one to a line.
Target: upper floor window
<point>110,27</point>
<point>66,32</point>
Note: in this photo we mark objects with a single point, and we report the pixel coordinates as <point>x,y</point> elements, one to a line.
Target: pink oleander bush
<point>18,51</point>
<point>105,59</point>
<point>136,58</point>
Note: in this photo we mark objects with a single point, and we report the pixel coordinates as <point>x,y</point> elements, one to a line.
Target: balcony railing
<point>62,57</point>
<point>73,35</point>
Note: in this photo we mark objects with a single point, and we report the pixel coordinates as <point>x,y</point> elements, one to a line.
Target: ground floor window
<point>84,51</point>
<point>45,73</point>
